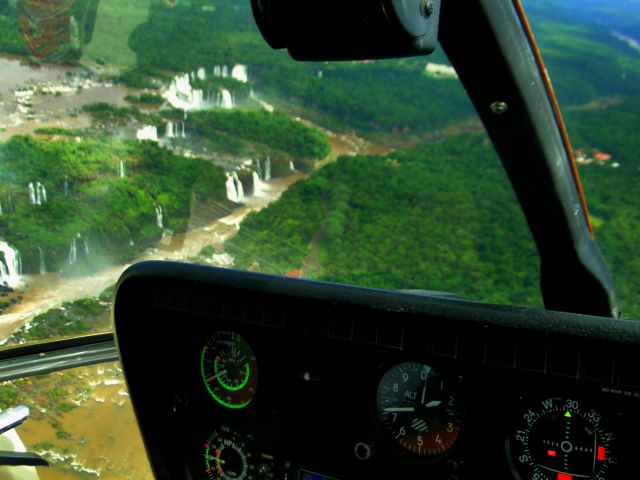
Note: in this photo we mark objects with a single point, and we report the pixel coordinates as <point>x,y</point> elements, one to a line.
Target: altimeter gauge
<point>229,369</point>
<point>561,439</point>
<point>419,409</point>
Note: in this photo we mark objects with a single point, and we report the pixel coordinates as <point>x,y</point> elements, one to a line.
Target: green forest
<point>440,217</point>
<point>89,202</point>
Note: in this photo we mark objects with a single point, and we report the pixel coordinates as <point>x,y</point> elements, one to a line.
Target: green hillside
<point>439,217</point>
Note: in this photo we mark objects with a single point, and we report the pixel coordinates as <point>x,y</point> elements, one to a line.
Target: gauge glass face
<point>418,409</point>
<point>561,439</point>
<point>228,456</point>
<point>229,369</point>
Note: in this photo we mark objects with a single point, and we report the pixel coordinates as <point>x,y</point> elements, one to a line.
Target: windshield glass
<point>146,130</point>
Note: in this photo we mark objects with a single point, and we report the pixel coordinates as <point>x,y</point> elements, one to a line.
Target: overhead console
<point>235,375</point>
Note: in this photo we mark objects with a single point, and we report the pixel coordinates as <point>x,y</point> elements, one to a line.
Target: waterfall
<point>182,95</point>
<point>201,74</point>
<point>86,246</point>
<point>66,185</point>
<point>121,171</point>
<point>257,184</point>
<point>239,72</point>
<point>131,244</point>
<point>258,168</point>
<point>11,266</point>
<point>169,130</point>
<point>292,167</point>
<point>227,100</point>
<point>267,168</point>
<point>73,252</point>
<point>32,194</point>
<point>43,267</point>
<point>232,193</point>
<point>197,98</point>
<point>225,71</point>
<point>159,219</point>
<point>38,198</point>
<point>0,208</point>
<point>239,188</point>
<point>148,132</point>
<point>173,130</point>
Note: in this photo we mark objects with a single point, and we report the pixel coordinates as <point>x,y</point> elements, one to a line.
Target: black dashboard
<point>235,375</point>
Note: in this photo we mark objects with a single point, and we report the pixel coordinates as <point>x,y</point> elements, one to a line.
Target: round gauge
<point>228,456</point>
<point>229,369</point>
<point>560,439</point>
<point>418,410</point>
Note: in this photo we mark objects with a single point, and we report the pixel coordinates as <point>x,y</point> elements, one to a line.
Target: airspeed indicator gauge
<point>229,369</point>
<point>418,409</point>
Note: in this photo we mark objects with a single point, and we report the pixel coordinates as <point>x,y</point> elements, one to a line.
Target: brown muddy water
<point>83,423</point>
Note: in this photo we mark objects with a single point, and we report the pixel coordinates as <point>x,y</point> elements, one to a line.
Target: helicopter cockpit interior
<point>279,378</point>
<point>273,377</point>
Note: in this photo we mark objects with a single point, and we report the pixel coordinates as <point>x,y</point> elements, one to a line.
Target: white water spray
<point>32,194</point>
<point>148,132</point>
<point>11,266</point>
<point>239,72</point>
<point>267,169</point>
<point>121,171</point>
<point>73,252</point>
<point>43,267</point>
<point>41,194</point>
<point>159,217</point>
<point>258,185</point>
<point>226,99</point>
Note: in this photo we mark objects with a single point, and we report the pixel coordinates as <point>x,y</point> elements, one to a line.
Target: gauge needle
<point>433,403</point>
<point>216,459</point>
<point>211,379</point>
<point>424,392</point>
<point>399,409</point>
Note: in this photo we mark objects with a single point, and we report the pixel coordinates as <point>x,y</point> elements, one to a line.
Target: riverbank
<point>43,292</point>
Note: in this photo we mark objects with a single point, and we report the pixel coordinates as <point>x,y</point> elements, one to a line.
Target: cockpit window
<point>169,130</point>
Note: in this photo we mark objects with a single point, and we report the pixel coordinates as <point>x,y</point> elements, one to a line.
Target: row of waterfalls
<point>182,95</point>
<point>37,193</point>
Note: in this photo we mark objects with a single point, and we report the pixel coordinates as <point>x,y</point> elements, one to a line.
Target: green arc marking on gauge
<point>214,395</point>
<point>229,387</point>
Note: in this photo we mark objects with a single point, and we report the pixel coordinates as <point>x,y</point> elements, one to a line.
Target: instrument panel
<point>258,377</point>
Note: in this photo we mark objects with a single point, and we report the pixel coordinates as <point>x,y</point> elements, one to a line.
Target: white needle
<point>399,409</point>
<point>433,403</point>
<point>424,391</point>
<point>211,379</point>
